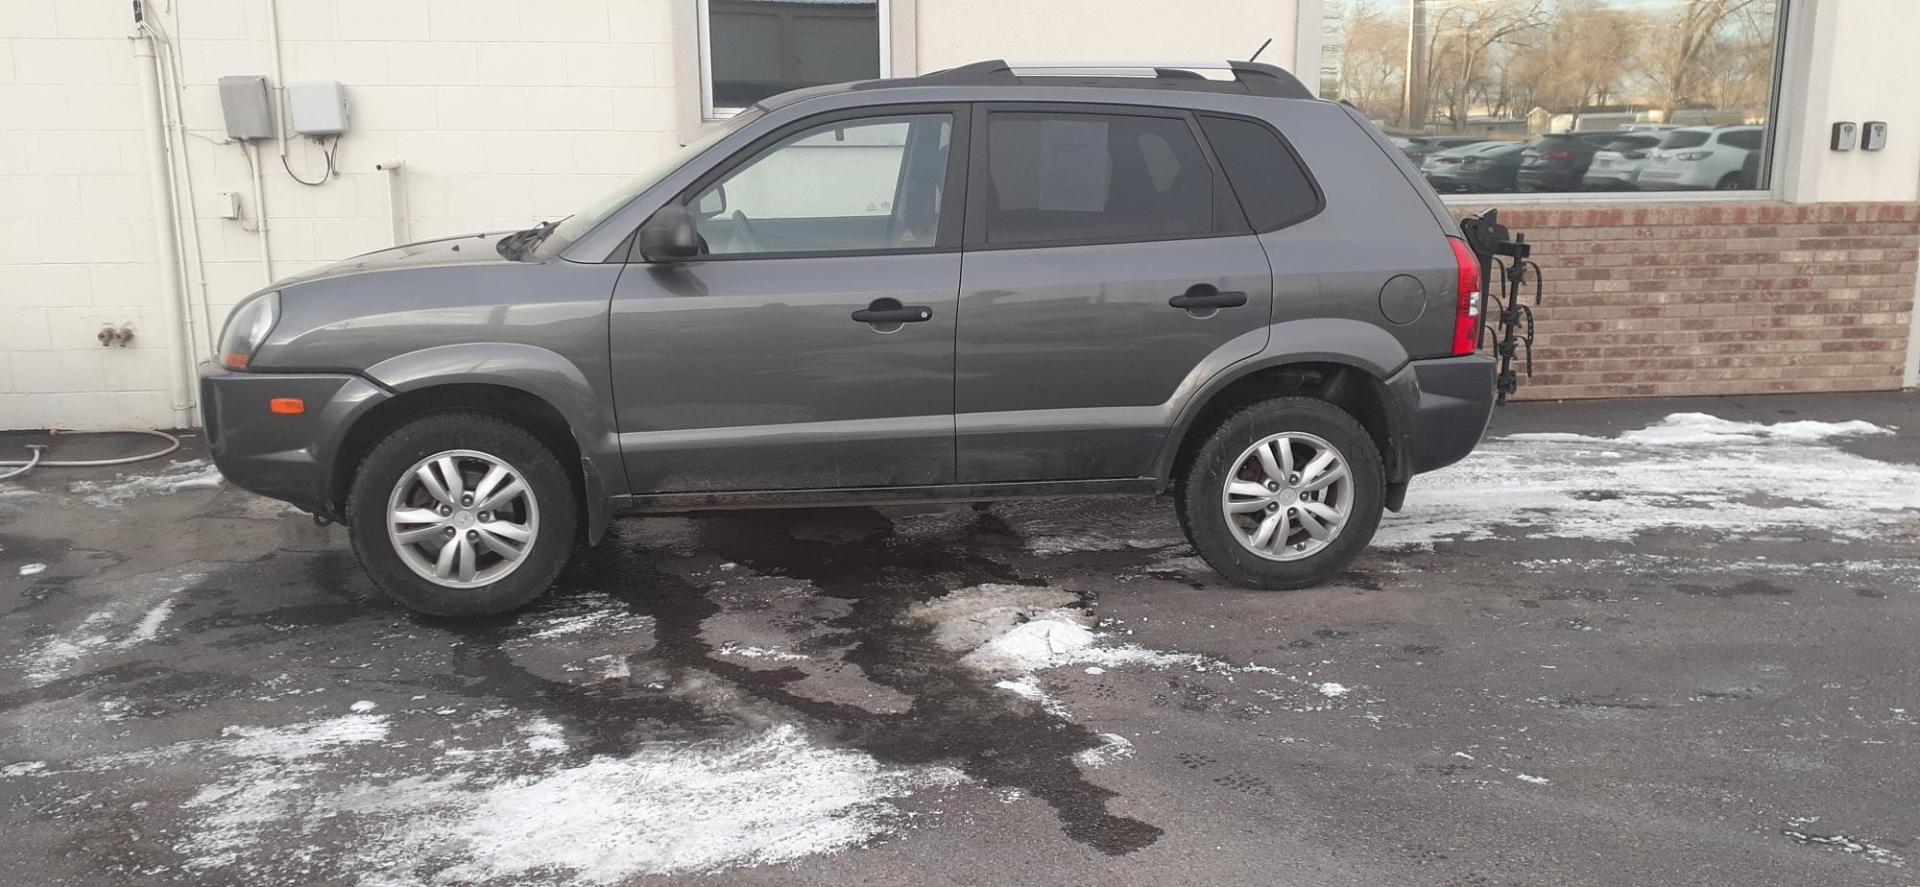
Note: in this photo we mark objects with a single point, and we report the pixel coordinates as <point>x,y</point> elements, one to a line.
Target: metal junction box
<point>245,104</point>
<point>317,109</point>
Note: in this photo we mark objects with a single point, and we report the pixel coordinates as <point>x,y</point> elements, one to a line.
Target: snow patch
<point>545,736</point>
<point>193,474</point>
<point>669,808</point>
<point>32,569</point>
<point>1332,690</point>
<point>1689,471</point>
<point>749,652</point>
<point>1536,780</point>
<point>51,659</point>
<point>234,810</point>
<point>1012,629</point>
<point>1112,747</point>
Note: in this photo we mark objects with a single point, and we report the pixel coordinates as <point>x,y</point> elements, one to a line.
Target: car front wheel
<point>1283,494</point>
<point>462,514</point>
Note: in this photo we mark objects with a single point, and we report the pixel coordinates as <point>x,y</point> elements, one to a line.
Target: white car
<point>1616,167</point>
<point>1699,157</point>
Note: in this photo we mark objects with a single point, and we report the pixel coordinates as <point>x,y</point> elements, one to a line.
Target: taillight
<point>1466,313</point>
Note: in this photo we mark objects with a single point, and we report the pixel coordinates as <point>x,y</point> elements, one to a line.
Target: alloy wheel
<point>1288,496</point>
<point>462,518</point>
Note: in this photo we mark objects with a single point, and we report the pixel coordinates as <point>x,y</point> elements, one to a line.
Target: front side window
<point>1522,71</point>
<point>854,185</point>
<point>1085,177</point>
<point>758,48</point>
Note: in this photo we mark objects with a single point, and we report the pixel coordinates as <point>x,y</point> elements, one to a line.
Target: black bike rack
<point>1496,247</point>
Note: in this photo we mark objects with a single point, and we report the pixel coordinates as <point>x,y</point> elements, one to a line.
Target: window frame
<point>703,51</point>
<point>946,240</point>
<point>979,176</point>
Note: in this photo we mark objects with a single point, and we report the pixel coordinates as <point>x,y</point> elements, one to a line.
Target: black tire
<point>536,463</point>
<point>1728,182</point>
<point>1198,495</point>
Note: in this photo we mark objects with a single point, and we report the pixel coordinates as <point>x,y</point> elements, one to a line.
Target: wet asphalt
<point>1680,708</point>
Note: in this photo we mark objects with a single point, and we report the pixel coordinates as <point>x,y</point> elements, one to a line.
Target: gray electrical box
<point>317,109</point>
<point>1873,135</point>
<point>248,109</point>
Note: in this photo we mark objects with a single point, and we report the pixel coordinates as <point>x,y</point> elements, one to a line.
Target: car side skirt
<point>669,503</point>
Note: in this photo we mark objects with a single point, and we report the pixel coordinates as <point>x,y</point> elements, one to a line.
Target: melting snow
<point>189,475</point>
<point>52,658</point>
<point>1690,471</point>
<point>668,808</point>
<point>32,569</point>
<point>1332,690</point>
<point>1112,747</point>
<point>1004,629</point>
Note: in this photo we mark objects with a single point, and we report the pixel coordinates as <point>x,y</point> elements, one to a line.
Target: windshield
<point>573,226</point>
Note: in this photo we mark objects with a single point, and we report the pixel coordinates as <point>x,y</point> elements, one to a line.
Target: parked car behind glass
<point>1483,167</point>
<point>1700,157</point>
<point>1418,147</point>
<point>1559,160</point>
<point>1616,167</point>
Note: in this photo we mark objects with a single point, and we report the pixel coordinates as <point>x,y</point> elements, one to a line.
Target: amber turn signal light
<point>287,406</point>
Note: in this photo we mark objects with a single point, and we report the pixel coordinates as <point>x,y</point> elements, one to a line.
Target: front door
<point>810,346</point>
<point>1109,265</point>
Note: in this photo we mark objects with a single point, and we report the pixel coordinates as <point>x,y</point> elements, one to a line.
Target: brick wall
<point>1720,298</point>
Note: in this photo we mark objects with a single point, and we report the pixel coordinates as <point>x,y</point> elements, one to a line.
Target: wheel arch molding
<point>1355,365</point>
<point>534,385</point>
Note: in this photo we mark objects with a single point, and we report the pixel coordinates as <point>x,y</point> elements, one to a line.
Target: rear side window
<point>1741,138</point>
<point>1088,177</point>
<point>1684,139</point>
<point>1272,186</point>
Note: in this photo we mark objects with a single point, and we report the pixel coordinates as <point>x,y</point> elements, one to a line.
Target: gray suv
<point>990,282</point>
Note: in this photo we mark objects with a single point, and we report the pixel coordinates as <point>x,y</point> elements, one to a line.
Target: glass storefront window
<point>1564,95</point>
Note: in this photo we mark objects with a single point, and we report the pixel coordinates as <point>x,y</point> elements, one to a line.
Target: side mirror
<point>669,235</point>
<point>712,203</point>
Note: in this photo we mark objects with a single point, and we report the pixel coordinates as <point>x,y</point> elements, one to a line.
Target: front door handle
<point>890,311</point>
<point>1204,297</point>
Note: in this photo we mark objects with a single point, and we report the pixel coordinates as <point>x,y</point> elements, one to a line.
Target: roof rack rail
<point>1251,78</point>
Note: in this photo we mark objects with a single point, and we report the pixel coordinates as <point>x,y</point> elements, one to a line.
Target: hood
<point>463,249</point>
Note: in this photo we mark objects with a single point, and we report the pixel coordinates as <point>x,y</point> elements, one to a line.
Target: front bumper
<point>1447,402</point>
<point>285,457</point>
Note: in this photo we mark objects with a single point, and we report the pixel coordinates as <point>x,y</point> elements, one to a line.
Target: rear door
<point>810,346</point>
<point>1107,266</point>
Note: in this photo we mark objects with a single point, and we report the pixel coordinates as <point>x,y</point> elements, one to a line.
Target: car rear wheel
<point>462,514</point>
<point>1283,494</point>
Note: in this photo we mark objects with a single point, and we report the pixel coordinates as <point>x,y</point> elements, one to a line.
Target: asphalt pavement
<point>1636,642</point>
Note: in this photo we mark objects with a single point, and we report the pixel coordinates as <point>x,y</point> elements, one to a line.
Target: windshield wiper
<point>519,243</point>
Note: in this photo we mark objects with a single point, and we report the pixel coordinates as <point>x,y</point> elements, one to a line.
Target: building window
<point>752,49</point>
<point>1564,95</point>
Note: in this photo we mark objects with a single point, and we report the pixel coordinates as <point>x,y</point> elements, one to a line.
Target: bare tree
<point>1681,48</point>
<point>1465,35</point>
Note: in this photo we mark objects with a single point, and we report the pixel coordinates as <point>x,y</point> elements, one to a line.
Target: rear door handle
<point>1203,297</point>
<point>891,311</point>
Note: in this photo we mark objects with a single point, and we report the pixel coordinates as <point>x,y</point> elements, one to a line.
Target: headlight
<point>247,327</point>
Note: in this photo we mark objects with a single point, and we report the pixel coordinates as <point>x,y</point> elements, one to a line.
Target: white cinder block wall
<point>503,112</point>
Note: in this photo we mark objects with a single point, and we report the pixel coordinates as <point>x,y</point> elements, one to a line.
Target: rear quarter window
<point>1272,185</point>
<point>1684,140</point>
